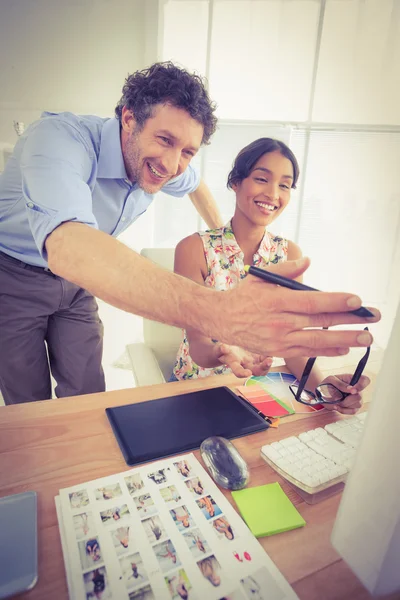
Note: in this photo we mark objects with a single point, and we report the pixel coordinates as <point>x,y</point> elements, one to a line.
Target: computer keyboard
<point>319,458</point>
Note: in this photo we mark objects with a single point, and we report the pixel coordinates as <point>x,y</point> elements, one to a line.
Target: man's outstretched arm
<point>204,203</point>
<point>258,316</point>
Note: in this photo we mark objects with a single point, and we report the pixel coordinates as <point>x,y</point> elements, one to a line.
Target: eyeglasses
<point>326,393</point>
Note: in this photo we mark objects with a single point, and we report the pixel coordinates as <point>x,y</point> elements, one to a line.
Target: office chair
<point>152,360</point>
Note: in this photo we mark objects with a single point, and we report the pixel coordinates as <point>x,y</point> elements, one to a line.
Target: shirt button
<point>30,204</point>
<point>123,219</point>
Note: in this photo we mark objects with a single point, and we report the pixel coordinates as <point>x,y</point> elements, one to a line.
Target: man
<point>71,186</point>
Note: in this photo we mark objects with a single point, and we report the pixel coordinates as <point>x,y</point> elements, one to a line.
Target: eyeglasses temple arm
<point>304,377</point>
<point>360,368</point>
<point>361,365</point>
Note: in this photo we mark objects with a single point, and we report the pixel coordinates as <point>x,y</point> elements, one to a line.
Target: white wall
<point>74,55</point>
<point>66,55</point>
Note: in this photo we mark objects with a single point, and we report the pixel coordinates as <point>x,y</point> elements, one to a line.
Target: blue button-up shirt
<point>67,167</point>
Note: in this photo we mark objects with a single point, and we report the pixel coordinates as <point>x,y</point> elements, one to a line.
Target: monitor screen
<point>367,529</point>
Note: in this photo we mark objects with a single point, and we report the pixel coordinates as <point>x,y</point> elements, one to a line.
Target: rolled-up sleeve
<point>186,183</point>
<point>56,165</point>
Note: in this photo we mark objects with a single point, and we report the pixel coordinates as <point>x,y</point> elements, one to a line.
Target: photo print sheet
<point>161,531</point>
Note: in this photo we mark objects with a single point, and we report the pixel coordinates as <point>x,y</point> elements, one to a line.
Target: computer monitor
<point>367,528</point>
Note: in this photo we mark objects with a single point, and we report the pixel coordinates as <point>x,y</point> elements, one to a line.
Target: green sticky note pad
<point>267,510</point>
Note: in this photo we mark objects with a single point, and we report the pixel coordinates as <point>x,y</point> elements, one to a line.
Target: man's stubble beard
<point>132,159</point>
<point>136,164</point>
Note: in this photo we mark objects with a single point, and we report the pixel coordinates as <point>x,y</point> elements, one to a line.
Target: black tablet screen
<point>158,428</point>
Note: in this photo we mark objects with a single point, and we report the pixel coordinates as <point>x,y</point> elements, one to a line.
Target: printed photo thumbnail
<point>208,507</point>
<point>153,528</point>
<point>211,570</point>
<point>179,585</point>
<point>108,492</point>
<point>83,525</point>
<point>79,499</point>
<point>167,555</point>
<point>182,518</point>
<point>183,468</point>
<point>90,553</point>
<point>134,483</point>
<point>261,585</point>
<point>195,486</point>
<point>170,494</point>
<point>223,528</point>
<point>121,540</point>
<point>96,585</point>
<point>196,543</point>
<point>133,572</point>
<point>117,513</point>
<point>145,505</point>
<point>145,593</point>
<point>159,476</point>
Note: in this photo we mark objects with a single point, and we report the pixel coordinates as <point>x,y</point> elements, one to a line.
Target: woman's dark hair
<point>249,155</point>
<point>165,83</point>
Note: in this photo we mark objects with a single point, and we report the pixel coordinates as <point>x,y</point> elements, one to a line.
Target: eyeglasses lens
<point>305,397</point>
<point>330,393</point>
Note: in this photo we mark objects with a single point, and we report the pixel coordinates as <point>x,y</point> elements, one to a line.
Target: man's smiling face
<point>160,150</point>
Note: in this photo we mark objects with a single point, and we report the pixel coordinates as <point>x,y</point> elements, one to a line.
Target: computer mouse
<point>223,461</point>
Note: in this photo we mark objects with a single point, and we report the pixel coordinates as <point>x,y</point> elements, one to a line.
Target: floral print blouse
<point>225,264</point>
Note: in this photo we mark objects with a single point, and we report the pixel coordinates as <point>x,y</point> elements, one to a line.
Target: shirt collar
<point>110,164</point>
<point>232,248</point>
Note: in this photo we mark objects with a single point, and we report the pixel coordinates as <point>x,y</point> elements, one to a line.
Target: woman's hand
<point>241,362</point>
<point>352,403</point>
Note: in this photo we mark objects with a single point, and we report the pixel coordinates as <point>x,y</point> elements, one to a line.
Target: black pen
<point>295,285</point>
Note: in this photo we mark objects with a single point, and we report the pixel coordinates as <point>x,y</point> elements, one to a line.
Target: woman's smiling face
<point>265,193</point>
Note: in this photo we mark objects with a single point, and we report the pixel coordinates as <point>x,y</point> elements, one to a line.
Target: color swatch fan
<point>277,386</point>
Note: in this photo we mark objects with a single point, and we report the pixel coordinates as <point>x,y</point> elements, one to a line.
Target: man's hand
<point>263,317</point>
<point>241,362</point>
<point>353,402</point>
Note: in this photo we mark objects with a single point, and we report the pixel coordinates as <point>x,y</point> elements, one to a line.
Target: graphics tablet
<point>150,430</point>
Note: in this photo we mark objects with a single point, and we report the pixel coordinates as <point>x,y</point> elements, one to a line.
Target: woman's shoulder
<point>189,257</point>
<point>189,243</point>
<point>195,239</point>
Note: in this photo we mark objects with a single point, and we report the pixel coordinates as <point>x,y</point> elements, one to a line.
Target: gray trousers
<point>37,310</point>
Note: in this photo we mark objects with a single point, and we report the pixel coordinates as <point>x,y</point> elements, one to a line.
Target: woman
<point>209,568</point>
<point>122,535</point>
<point>177,586</point>
<point>156,529</point>
<point>207,504</point>
<point>197,487</point>
<point>262,177</point>
<point>182,516</point>
<point>222,526</point>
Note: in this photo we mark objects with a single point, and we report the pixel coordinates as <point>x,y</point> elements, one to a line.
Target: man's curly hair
<point>165,83</point>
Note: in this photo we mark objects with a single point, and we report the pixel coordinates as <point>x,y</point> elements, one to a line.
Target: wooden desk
<point>46,446</point>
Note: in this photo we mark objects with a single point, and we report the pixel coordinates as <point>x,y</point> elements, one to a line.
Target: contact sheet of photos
<point>161,531</point>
